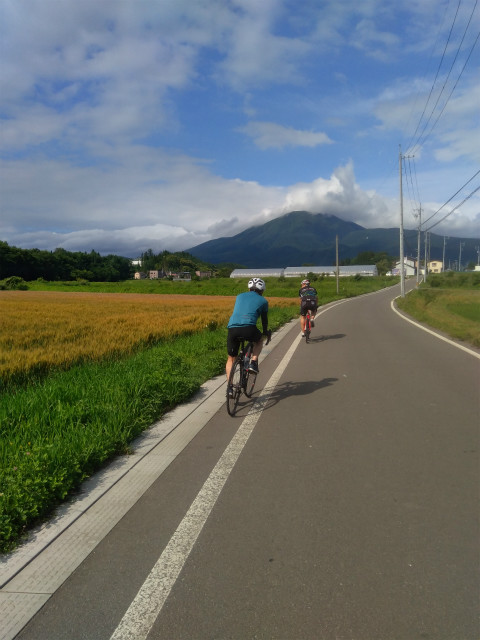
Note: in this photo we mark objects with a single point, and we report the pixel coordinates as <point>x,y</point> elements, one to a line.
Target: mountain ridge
<point>302,237</point>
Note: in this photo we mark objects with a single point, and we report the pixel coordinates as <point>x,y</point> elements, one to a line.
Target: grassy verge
<point>276,287</point>
<point>57,432</point>
<point>448,302</point>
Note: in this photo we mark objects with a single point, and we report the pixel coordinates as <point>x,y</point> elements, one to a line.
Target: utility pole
<point>419,243</point>
<point>402,259</point>
<point>426,257</point>
<point>338,268</point>
<point>445,238</point>
<point>462,244</point>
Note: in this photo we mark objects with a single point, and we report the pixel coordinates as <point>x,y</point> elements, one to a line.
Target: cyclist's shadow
<point>281,392</point>
<point>336,336</point>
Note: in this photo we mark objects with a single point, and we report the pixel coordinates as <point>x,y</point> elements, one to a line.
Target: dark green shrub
<point>15,283</point>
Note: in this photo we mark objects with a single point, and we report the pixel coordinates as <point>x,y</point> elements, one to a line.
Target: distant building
<point>182,275</point>
<point>139,275</point>
<point>409,268</point>
<point>204,274</point>
<point>343,271</point>
<point>153,274</point>
<point>257,273</point>
<point>435,266</point>
<point>301,272</point>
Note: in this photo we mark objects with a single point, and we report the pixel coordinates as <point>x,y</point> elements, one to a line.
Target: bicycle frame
<point>241,380</point>
<point>308,325</point>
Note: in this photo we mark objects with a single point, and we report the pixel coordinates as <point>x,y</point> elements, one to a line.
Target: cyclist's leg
<point>303,313</point>
<point>234,386</point>
<point>254,334</point>
<point>257,349</point>
<point>303,321</point>
<point>232,349</point>
<point>249,382</point>
<point>257,338</point>
<point>229,364</point>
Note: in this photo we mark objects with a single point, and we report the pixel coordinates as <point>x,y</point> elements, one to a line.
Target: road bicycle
<point>241,380</point>
<point>308,325</point>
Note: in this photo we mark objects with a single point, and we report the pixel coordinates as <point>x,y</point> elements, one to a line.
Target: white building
<point>257,273</point>
<point>301,272</point>
<point>343,271</point>
<point>409,268</point>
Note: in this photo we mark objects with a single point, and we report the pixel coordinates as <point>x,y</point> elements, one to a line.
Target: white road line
<point>147,604</point>
<point>434,333</point>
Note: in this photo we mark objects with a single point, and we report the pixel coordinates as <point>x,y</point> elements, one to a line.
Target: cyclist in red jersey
<point>308,302</point>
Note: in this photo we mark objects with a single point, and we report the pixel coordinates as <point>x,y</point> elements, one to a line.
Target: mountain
<point>301,237</point>
<point>292,239</point>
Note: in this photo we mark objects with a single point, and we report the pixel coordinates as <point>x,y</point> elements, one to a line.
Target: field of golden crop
<point>44,330</point>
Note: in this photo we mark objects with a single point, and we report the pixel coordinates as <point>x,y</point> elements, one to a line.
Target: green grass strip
<point>57,432</point>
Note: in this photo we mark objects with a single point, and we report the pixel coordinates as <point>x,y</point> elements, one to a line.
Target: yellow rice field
<point>44,330</point>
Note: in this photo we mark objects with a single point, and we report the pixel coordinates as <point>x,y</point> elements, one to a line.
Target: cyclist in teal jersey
<point>249,306</point>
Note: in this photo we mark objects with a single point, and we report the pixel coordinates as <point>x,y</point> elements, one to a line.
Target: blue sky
<point>128,125</point>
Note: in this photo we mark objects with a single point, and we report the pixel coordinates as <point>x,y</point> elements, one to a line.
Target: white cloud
<point>376,43</point>
<point>267,135</point>
<point>126,210</point>
<point>340,195</point>
<point>98,101</point>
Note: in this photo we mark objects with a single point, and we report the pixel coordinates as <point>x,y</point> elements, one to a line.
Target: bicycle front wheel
<point>234,387</point>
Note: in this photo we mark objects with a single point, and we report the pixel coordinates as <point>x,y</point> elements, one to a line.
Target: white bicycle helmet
<point>256,284</point>
<point>306,282</point>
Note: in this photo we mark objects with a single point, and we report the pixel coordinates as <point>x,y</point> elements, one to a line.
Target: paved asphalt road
<point>347,507</point>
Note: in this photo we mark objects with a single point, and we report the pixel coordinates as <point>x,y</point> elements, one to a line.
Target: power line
<point>440,29</point>
<point>455,194</point>
<point>457,207</point>
<point>436,76</point>
<point>419,141</point>
<point>409,182</point>
<point>451,92</point>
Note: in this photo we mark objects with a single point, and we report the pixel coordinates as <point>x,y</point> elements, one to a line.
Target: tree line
<point>32,264</point>
<point>62,265</point>
<point>173,262</point>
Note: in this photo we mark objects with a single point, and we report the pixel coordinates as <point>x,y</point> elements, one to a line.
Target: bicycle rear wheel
<point>308,327</point>
<point>248,376</point>
<point>249,383</point>
<point>234,383</point>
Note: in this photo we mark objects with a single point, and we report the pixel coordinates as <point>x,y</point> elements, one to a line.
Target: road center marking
<point>147,604</point>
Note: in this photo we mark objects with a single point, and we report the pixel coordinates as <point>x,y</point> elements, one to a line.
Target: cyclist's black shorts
<point>250,332</point>
<point>306,305</point>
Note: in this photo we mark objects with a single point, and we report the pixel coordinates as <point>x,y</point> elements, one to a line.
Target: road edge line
<point>147,605</point>
<point>431,331</point>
